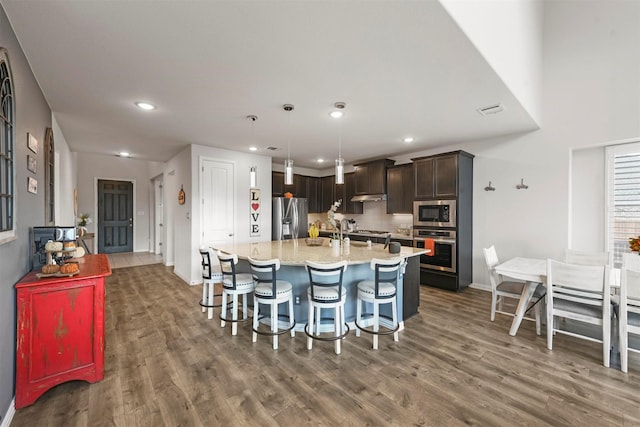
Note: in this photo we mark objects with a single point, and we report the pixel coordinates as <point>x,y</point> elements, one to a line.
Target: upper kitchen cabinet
<point>400,189</point>
<point>371,177</point>
<point>277,184</point>
<point>442,176</point>
<point>313,194</point>
<point>327,192</point>
<point>345,192</point>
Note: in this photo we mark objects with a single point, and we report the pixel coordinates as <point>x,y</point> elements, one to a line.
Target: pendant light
<point>253,171</point>
<point>288,164</point>
<point>337,114</point>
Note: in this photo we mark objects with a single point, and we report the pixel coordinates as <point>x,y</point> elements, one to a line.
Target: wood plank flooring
<point>166,364</point>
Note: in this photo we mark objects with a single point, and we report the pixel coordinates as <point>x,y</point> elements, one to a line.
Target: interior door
<point>159,215</point>
<point>218,201</point>
<point>115,216</point>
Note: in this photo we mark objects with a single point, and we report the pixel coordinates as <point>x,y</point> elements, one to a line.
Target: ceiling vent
<point>272,148</point>
<point>491,109</point>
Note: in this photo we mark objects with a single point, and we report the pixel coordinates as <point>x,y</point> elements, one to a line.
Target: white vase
<point>335,247</point>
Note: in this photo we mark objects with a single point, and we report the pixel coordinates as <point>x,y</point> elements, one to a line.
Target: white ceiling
<point>403,68</point>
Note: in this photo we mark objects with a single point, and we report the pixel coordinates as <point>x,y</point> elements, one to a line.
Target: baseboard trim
<point>8,416</point>
<point>480,286</point>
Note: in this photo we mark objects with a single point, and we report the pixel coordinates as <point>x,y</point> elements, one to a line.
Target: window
<point>623,165</point>
<point>7,146</point>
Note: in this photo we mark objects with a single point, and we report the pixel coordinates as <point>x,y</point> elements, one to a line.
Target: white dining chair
<point>573,256</point>
<point>501,289</point>
<point>629,317</point>
<point>581,293</point>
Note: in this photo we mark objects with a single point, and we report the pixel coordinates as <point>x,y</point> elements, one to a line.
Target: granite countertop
<point>393,235</point>
<point>296,252</point>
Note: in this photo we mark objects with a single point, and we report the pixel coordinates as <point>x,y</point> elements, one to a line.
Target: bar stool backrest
<point>387,271</point>
<point>264,271</point>
<point>573,256</point>
<point>207,258</point>
<point>325,276</point>
<point>228,266</point>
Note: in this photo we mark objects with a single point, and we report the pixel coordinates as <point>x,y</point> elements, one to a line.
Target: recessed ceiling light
<point>253,148</point>
<point>336,114</point>
<point>407,139</point>
<point>145,106</point>
<point>320,160</point>
<point>124,154</point>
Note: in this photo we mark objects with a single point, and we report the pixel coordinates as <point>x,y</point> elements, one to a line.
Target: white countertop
<point>296,252</point>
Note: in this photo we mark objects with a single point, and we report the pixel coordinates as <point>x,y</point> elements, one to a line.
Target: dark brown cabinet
<point>371,177</point>
<point>277,185</point>
<point>345,192</point>
<point>313,194</point>
<point>400,189</point>
<point>327,192</point>
<point>436,177</point>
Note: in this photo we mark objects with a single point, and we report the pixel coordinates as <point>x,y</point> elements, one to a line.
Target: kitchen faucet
<point>344,222</point>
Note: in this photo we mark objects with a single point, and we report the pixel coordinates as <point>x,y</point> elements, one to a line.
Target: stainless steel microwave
<point>434,213</point>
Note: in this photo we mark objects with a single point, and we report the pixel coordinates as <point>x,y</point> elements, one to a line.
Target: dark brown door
<point>115,216</point>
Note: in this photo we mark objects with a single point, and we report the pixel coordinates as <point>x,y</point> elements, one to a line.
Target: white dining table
<point>533,271</point>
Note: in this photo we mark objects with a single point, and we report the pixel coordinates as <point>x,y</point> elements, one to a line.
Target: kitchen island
<point>294,253</point>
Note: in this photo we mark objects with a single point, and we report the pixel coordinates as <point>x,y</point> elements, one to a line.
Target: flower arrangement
<point>84,220</point>
<point>331,216</point>
<point>634,244</point>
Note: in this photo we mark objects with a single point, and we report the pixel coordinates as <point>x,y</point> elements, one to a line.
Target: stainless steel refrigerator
<point>289,218</point>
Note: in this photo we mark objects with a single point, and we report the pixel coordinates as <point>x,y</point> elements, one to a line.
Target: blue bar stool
<point>273,292</point>
<point>211,275</point>
<point>234,284</point>
<point>381,290</point>
<point>326,291</point>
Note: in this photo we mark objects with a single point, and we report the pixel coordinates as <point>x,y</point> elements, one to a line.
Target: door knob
<point>230,234</point>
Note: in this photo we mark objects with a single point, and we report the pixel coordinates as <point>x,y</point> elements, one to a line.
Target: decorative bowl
<point>314,242</point>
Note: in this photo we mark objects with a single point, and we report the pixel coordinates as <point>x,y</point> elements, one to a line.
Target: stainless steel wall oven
<point>444,255</point>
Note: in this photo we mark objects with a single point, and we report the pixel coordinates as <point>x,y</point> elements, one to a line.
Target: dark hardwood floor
<point>166,364</point>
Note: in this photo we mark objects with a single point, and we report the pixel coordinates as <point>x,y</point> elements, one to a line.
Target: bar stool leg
<point>291,319</point>
<point>359,303</point>
<point>204,296</point>
<point>310,327</point>
<point>394,315</point>
<point>210,300</point>
<point>318,320</point>
<point>376,324</point>
<point>274,324</point>
<point>223,315</point>
<point>338,328</point>
<point>245,315</point>
<point>234,316</point>
<point>256,312</point>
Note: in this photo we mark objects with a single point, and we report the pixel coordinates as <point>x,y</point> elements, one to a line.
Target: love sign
<point>254,221</point>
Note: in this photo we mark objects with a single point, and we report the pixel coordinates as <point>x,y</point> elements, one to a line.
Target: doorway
<point>158,220</point>
<point>218,201</point>
<point>115,216</point>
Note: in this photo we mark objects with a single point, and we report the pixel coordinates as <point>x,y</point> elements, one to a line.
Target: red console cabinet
<point>60,329</point>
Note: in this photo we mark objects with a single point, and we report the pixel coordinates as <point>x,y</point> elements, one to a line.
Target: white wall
<point>587,193</point>
<point>65,177</point>
<point>92,167</point>
<point>508,33</point>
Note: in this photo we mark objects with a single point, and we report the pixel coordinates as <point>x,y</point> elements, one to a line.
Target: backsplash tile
<point>374,217</point>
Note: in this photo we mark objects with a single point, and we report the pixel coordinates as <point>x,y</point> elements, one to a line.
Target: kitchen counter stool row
<point>326,291</point>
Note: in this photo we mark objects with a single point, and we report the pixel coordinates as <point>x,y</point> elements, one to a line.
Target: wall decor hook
<point>522,185</point>
<point>489,187</point>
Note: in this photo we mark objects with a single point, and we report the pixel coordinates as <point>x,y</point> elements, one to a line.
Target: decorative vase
<point>81,231</point>
<point>335,247</point>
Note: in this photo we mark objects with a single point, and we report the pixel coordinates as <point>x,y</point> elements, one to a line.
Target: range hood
<point>369,198</point>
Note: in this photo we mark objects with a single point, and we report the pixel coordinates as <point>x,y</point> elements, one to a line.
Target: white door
<point>218,201</point>
<point>159,215</point>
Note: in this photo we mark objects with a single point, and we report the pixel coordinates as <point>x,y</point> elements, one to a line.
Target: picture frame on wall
<point>32,143</point>
<point>32,164</point>
<point>32,185</point>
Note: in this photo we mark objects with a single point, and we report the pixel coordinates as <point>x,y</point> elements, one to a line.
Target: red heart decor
<point>255,206</point>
